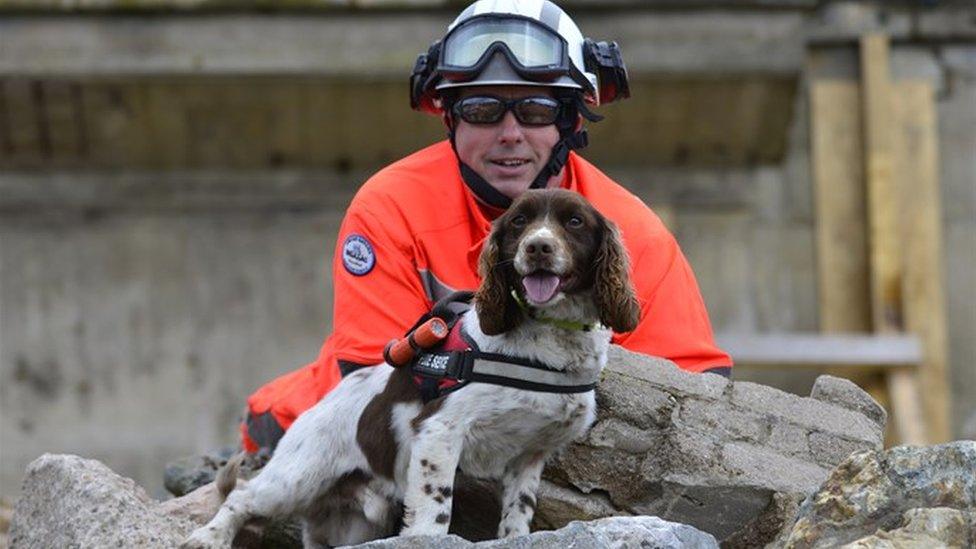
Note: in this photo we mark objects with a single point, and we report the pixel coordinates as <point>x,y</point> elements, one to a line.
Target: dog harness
<point>458,361</point>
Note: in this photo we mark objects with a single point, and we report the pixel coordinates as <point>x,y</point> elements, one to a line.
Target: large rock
<point>903,497</point>
<point>731,458</point>
<point>67,501</point>
<point>616,533</point>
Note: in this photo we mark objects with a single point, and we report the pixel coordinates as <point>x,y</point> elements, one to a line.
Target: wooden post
<point>882,195</point>
<point>920,220</point>
<point>841,230</point>
<point>884,208</point>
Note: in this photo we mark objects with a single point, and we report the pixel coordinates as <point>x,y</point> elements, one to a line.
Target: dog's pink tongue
<point>540,287</point>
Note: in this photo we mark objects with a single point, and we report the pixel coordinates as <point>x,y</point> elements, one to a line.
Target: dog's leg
<point>519,486</point>
<point>430,478</point>
<point>220,531</point>
<point>279,490</point>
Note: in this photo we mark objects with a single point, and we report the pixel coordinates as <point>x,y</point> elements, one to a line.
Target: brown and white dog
<point>370,445</point>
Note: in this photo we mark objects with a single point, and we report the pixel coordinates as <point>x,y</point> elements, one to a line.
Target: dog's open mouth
<point>540,286</point>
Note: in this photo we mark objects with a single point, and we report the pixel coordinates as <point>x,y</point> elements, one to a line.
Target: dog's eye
<point>574,222</point>
<point>519,221</point>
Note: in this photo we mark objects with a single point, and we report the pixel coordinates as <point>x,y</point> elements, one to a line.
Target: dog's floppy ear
<point>615,296</point>
<point>497,311</point>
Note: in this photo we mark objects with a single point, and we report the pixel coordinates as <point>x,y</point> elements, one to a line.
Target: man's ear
<point>579,123</point>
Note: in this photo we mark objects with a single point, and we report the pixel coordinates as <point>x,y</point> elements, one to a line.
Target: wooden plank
<point>908,419</point>
<point>917,176</point>
<point>885,204</point>
<point>841,244</point>
<point>824,350</point>
<point>883,199</point>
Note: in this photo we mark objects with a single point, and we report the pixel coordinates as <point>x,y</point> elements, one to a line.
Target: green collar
<point>557,322</point>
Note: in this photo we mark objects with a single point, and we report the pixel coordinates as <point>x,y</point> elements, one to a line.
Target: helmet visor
<point>530,46</point>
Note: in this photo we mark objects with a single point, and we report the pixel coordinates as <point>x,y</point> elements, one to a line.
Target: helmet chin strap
<point>557,160</point>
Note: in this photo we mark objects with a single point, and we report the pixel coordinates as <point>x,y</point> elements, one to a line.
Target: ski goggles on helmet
<point>534,51</point>
<point>486,109</point>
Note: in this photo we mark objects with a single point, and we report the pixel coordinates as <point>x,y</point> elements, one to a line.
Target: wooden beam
<point>824,350</point>
<point>916,171</point>
<point>884,208</point>
<point>840,198</point>
<point>882,195</point>
<point>842,248</point>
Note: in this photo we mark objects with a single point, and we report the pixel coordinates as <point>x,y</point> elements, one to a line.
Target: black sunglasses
<point>485,109</point>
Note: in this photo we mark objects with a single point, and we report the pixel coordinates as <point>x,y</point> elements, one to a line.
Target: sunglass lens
<point>481,110</point>
<point>536,111</point>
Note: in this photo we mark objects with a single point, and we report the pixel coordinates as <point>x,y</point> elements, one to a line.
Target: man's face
<point>507,154</point>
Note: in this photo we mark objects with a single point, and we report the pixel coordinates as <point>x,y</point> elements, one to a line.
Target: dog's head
<point>549,245</point>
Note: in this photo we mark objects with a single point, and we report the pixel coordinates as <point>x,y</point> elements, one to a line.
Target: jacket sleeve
<point>674,322</point>
<point>378,296</point>
<point>375,305</point>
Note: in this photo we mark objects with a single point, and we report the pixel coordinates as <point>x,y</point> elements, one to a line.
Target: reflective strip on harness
<point>472,366</point>
<point>499,373</point>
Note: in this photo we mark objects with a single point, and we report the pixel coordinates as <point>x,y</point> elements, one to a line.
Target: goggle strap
<point>587,113</point>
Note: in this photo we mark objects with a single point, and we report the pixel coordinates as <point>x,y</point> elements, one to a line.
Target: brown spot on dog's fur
<point>428,410</point>
<point>428,489</point>
<point>442,518</point>
<point>445,491</point>
<point>374,432</point>
<point>348,485</point>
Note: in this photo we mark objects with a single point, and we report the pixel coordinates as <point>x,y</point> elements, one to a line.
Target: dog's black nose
<point>539,247</point>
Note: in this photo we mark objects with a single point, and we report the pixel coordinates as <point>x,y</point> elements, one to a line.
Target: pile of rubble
<point>676,459</point>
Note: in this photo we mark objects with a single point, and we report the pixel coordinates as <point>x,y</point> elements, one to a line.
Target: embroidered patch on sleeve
<point>357,255</point>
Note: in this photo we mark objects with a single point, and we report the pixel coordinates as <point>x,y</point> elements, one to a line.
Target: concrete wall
<point>166,221</point>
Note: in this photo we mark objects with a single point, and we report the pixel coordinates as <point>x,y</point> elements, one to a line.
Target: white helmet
<point>517,42</point>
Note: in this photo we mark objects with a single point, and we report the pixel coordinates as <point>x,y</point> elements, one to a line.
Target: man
<point>512,81</point>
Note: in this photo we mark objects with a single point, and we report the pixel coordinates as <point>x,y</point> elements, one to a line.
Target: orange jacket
<point>413,233</point>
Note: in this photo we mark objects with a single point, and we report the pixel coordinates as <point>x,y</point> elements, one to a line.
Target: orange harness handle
<point>399,352</point>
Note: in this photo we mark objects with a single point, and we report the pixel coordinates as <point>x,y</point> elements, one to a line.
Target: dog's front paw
<point>423,530</point>
<point>512,531</point>
<point>206,537</point>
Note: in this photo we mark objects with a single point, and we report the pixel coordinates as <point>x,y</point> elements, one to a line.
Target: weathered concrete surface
<point>380,44</point>
<point>917,495</point>
<point>136,338</point>
<point>732,459</point>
